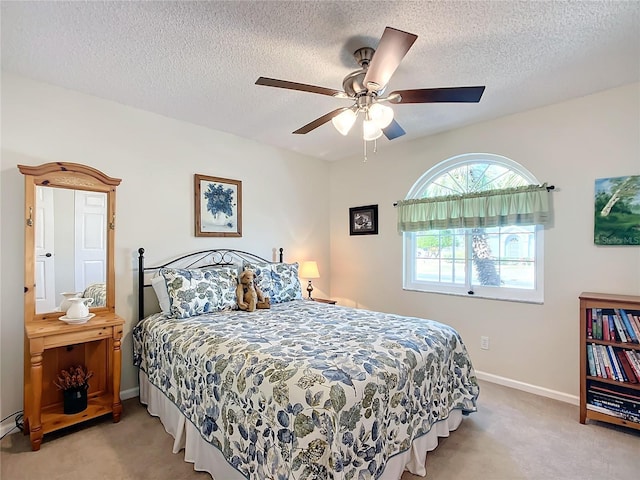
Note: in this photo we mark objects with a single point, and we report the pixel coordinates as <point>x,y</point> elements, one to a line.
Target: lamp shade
<point>370,131</point>
<point>381,115</point>
<point>309,270</point>
<point>344,121</point>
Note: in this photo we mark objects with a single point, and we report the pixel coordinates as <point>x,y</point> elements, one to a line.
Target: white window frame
<point>410,281</point>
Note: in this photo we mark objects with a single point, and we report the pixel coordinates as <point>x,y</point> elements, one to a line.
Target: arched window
<point>500,262</point>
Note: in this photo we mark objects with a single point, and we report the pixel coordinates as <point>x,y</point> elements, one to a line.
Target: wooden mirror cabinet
<point>69,242</point>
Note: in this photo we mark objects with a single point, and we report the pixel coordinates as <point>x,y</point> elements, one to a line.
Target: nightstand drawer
<point>70,338</point>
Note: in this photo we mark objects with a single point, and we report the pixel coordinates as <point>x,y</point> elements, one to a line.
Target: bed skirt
<point>207,458</point>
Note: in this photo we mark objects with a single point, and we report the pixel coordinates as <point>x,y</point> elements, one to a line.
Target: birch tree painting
<point>617,211</point>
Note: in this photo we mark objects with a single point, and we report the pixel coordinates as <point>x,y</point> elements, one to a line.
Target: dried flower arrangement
<point>74,377</point>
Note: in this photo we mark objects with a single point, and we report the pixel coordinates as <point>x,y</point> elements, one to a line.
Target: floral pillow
<point>278,281</point>
<point>286,282</point>
<point>263,277</point>
<point>198,291</point>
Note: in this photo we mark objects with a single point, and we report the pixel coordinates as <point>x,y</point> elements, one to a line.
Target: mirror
<point>70,247</point>
<point>69,237</point>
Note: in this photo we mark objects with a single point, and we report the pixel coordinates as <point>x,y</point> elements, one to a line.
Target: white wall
<point>568,145</point>
<point>156,158</point>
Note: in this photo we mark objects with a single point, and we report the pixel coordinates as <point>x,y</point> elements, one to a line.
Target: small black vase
<point>75,399</point>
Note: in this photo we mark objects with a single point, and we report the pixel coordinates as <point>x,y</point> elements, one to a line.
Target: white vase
<point>65,304</point>
<point>79,307</point>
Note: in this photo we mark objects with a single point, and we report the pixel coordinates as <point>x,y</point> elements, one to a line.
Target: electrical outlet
<point>484,343</point>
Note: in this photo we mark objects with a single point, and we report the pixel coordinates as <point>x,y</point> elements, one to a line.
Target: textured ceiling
<point>198,61</point>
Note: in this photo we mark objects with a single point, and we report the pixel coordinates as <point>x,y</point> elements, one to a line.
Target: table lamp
<point>309,270</point>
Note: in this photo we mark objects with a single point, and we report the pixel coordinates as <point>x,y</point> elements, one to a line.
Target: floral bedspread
<point>307,390</point>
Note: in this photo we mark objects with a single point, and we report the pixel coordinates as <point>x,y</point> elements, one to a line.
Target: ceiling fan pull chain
<point>365,151</point>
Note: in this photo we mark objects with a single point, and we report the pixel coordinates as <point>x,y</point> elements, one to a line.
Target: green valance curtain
<point>528,205</point>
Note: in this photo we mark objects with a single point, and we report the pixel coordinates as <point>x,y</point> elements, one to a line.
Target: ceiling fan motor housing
<point>353,84</point>
<point>363,56</point>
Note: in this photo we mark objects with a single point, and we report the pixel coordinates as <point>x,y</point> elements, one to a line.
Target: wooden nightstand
<point>53,345</point>
<point>324,300</point>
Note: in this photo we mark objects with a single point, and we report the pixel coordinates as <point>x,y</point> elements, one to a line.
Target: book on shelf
<point>612,399</point>
<point>612,330</point>
<point>630,411</point>
<point>610,362</point>
<point>607,362</point>
<point>636,321</point>
<point>628,330</point>
<point>634,362</point>
<point>620,393</point>
<point>602,367</point>
<point>589,323</point>
<point>635,326</point>
<point>605,327</point>
<point>613,402</point>
<point>632,414</point>
<point>591,360</point>
<point>626,366</point>
<point>619,328</point>
<point>615,367</point>
<point>597,323</point>
<point>607,411</point>
<point>596,360</point>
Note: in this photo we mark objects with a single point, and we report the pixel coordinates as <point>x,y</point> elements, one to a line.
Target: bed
<point>303,390</point>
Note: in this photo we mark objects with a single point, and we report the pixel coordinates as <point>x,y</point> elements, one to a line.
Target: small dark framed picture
<point>363,220</point>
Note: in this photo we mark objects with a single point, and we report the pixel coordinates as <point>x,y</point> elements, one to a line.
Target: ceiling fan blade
<point>272,82</point>
<point>320,121</point>
<point>393,130</point>
<point>436,95</point>
<point>393,46</point>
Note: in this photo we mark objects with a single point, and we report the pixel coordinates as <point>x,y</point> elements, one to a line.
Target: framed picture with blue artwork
<point>218,203</point>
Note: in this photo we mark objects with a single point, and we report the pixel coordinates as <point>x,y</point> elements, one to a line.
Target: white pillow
<point>160,287</point>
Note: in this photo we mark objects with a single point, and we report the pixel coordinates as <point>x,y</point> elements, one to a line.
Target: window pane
<point>476,177</point>
<point>517,274</point>
<point>504,257</point>
<point>440,256</point>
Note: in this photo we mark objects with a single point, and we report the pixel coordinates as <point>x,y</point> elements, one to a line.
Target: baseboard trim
<point>127,394</point>
<point>8,427</point>
<point>527,387</point>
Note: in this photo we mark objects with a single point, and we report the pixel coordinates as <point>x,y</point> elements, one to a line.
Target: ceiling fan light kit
<point>366,86</point>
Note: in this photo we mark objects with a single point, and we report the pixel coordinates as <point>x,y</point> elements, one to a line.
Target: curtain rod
<point>549,188</point>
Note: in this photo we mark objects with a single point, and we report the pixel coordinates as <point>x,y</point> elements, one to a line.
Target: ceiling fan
<point>367,85</point>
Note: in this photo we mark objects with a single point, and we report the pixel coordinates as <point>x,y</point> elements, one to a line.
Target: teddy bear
<point>248,295</point>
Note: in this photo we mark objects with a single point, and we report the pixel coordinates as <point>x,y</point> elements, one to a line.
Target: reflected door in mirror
<point>44,243</point>
<point>71,244</point>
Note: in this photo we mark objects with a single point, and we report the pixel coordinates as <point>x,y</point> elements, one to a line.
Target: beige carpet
<point>514,435</point>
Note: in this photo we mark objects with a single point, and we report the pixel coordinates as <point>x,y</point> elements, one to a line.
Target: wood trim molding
<point>49,174</point>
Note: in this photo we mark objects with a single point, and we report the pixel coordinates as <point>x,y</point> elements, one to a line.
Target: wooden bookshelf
<point>589,410</point>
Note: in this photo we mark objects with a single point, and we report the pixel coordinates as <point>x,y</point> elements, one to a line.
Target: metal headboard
<point>204,258</point>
